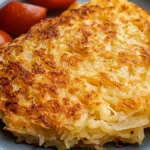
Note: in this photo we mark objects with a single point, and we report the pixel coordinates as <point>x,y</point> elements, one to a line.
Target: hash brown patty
<point>82,77</point>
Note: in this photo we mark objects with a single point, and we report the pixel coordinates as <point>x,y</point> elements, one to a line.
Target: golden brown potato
<point>80,78</point>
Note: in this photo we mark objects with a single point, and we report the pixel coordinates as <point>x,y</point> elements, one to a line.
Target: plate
<point>7,140</point>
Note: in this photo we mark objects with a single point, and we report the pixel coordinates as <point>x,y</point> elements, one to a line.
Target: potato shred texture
<point>80,78</point>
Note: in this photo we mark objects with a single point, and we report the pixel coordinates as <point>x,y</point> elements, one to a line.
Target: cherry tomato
<point>4,37</point>
<point>53,4</point>
<point>18,17</point>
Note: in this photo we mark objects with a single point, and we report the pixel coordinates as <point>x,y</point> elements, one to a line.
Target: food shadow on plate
<point>8,140</point>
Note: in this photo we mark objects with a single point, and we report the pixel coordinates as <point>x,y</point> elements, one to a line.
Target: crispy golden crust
<point>82,76</point>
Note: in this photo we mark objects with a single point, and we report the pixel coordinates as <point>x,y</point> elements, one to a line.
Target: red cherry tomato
<point>4,37</point>
<point>17,17</point>
<point>53,4</point>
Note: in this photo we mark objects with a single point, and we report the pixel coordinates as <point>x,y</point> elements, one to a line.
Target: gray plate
<point>7,141</point>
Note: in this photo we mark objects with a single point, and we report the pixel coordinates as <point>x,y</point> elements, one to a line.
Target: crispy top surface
<point>91,56</point>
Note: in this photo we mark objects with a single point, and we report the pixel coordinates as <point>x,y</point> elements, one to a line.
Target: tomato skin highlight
<point>53,4</point>
<point>4,37</point>
<point>18,17</point>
